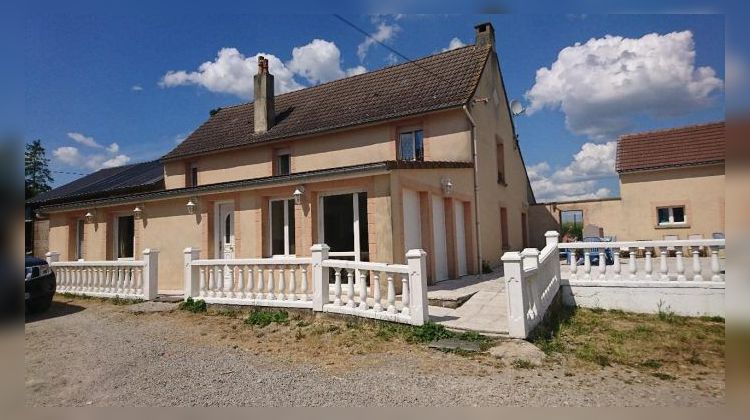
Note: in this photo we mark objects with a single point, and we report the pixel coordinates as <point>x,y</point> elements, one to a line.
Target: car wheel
<point>40,304</point>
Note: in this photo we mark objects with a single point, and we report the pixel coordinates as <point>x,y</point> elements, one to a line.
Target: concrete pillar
<point>417,261</point>
<point>320,276</point>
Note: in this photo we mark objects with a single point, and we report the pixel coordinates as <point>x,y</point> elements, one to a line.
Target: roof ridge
<point>364,74</point>
<point>667,130</point>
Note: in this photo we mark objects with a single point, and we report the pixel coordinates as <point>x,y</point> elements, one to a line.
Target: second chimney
<point>485,34</point>
<point>264,107</point>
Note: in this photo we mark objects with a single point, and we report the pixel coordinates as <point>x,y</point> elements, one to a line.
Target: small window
<point>79,239</point>
<point>283,163</point>
<point>411,145</point>
<point>671,215</point>
<point>125,237</point>
<point>501,165</point>
<point>193,176</point>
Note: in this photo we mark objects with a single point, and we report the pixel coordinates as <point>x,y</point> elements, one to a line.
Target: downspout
<point>476,188</point>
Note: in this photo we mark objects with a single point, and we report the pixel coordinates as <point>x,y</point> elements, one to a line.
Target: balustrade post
<point>303,285</point>
<point>242,277</point>
<point>587,265</point>
<point>648,266</point>
<point>250,281</point>
<point>190,273</point>
<point>260,290</point>
<point>680,266</point>
<point>602,264</point>
<point>229,276</point>
<point>391,296</point>
<point>715,269</point>
<point>292,295</point>
<point>150,273</point>
<point>320,277</point>
<point>616,265</point>
<point>362,290</point>
<point>517,301</point>
<point>417,262</point>
<point>337,287</point>
<point>632,267</point>
<point>270,295</point>
<point>350,288</point>
<point>663,267</point>
<point>573,263</point>
<point>697,265</point>
<point>378,305</point>
<point>282,284</point>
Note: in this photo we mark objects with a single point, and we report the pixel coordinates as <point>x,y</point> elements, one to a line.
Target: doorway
<point>439,239</point>
<point>224,228</point>
<point>342,225</point>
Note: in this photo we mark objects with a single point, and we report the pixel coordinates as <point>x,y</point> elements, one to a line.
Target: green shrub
<point>263,318</point>
<point>428,332</point>
<point>194,306</point>
<point>486,269</point>
<point>522,364</point>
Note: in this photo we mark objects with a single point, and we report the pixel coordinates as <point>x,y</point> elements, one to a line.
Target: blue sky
<point>96,80</point>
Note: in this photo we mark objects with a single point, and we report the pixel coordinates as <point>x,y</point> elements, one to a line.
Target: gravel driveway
<point>86,352</point>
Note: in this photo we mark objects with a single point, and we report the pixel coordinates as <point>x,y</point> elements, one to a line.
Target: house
<point>417,155</point>
<point>671,187</point>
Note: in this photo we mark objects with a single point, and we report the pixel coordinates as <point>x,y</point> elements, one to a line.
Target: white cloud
<point>113,148</point>
<point>320,61</point>
<point>136,88</point>
<point>455,43</point>
<point>84,140</point>
<point>118,160</point>
<point>179,138</point>
<point>68,155</point>
<point>384,33</point>
<point>604,84</point>
<point>577,180</point>
<point>231,72</point>
<point>391,59</point>
<point>72,156</point>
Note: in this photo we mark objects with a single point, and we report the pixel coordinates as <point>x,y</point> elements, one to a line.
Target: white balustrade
<point>137,279</point>
<point>668,269</point>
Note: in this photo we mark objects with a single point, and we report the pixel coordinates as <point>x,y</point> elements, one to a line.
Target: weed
<point>263,318</point>
<point>522,364</point>
<point>664,376</point>
<point>228,312</point>
<point>695,358</point>
<point>428,332</point>
<point>303,323</point>
<point>651,363</point>
<point>486,268</point>
<point>588,352</point>
<point>715,318</point>
<point>124,301</point>
<point>299,335</point>
<point>194,306</point>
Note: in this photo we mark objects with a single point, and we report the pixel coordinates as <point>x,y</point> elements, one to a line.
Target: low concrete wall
<point>682,298</point>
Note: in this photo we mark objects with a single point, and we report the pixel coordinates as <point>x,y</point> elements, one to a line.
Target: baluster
<point>270,293</point>
<point>202,281</point>
<point>103,284</point>
<point>140,280</point>
<point>391,295</point>
<point>212,281</point>
<point>242,278</point>
<point>81,279</point>
<point>95,279</point>
<point>697,265</point>
<point>249,286</point>
<point>573,264</point>
<point>230,274</point>
<point>648,266</point>
<point>350,288</point>
<point>76,273</point>
<point>680,266</point>
<point>715,269</point>
<point>336,287</point>
<point>292,295</point>
<point>632,267</point>
<point>130,287</point>
<point>259,287</point>
<point>87,280</point>
<point>282,289</point>
<point>587,265</point>
<point>617,267</point>
<point>362,291</point>
<point>220,280</point>
<point>378,306</point>
<point>602,264</point>
<point>303,286</point>
<point>405,294</point>
<point>663,266</point>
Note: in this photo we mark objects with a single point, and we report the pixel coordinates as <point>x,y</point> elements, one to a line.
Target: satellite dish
<point>516,108</point>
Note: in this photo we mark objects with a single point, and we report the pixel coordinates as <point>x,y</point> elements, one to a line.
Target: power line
<point>67,173</point>
<point>365,33</point>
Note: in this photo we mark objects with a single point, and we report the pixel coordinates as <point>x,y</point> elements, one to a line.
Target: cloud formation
<point>454,43</point>
<point>577,180</point>
<point>603,85</point>
<point>232,72</point>
<point>136,88</point>
<point>72,156</point>
<point>385,32</point>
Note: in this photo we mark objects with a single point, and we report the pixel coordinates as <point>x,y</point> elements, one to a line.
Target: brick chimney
<point>264,109</point>
<point>485,35</point>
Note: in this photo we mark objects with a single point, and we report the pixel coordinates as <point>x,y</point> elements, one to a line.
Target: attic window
<point>411,145</point>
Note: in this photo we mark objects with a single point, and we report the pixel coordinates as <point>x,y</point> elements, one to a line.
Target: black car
<point>40,284</point>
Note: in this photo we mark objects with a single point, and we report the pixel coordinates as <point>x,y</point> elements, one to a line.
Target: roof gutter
<point>476,187</point>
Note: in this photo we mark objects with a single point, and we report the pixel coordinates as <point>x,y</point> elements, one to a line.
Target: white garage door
<point>458,211</point>
<point>438,233</point>
<point>412,221</point>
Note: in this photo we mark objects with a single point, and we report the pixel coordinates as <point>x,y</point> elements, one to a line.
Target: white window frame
<point>218,237</point>
<point>413,144</point>
<point>286,228</point>
<point>116,234</point>
<point>279,154</point>
<point>671,221</point>
<point>355,208</point>
<point>80,237</point>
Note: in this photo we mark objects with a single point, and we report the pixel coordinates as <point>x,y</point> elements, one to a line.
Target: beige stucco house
<point>672,186</point>
<point>417,155</point>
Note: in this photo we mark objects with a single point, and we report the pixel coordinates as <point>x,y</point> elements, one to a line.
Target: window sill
<point>673,226</point>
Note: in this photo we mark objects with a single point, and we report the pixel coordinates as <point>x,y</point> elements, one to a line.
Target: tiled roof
<point>109,182</point>
<point>684,146</point>
<point>432,83</point>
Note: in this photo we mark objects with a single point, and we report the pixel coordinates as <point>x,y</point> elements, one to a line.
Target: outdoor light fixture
<point>447,185</point>
<point>298,194</point>
<point>138,212</point>
<point>191,206</point>
<point>39,215</point>
<point>89,216</point>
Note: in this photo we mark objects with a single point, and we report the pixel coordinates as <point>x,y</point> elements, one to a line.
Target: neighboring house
<point>417,155</point>
<point>671,187</point>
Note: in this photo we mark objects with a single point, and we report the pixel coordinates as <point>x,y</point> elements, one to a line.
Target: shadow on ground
<point>57,309</point>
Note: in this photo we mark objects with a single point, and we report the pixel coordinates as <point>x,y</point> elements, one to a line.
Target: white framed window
<point>411,145</point>
<point>124,237</point>
<point>283,162</point>
<point>80,224</point>
<point>281,223</point>
<point>667,216</point>
<point>193,175</point>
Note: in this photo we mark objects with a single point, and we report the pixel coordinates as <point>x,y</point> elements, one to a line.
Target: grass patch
<point>664,341</point>
<point>664,376</point>
<point>117,300</point>
<point>522,364</point>
<point>264,318</point>
<point>191,305</point>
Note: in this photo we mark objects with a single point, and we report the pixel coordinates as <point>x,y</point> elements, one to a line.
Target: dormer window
<point>411,145</point>
<point>283,162</point>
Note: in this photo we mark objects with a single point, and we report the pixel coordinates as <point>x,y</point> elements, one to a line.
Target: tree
<point>36,168</point>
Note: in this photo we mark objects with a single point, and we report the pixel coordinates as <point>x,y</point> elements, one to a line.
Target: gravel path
<point>94,353</point>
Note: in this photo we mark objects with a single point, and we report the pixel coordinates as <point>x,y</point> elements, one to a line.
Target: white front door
<point>438,234</point>
<point>225,231</point>
<point>458,211</point>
